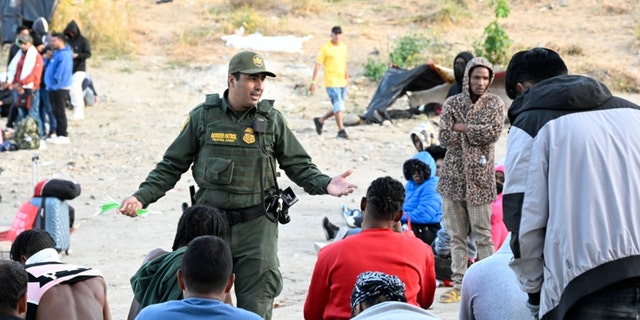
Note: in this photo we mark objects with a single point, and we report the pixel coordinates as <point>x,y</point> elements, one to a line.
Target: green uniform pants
<point>254,245</point>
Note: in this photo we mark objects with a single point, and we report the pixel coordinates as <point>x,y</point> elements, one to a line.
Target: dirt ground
<point>145,98</point>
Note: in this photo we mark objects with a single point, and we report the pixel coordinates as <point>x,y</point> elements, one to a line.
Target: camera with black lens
<point>279,204</point>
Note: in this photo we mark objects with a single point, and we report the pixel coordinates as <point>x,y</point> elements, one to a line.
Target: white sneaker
<point>61,140</point>
<point>52,137</point>
<point>77,117</point>
<point>43,145</point>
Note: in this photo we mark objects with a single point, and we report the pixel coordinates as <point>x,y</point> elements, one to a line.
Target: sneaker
<point>51,137</point>
<point>77,117</point>
<point>343,134</point>
<point>61,140</point>
<point>350,216</point>
<point>329,228</point>
<point>43,145</point>
<point>316,122</point>
<point>450,296</point>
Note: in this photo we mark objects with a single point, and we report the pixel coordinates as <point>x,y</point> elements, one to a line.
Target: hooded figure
<point>459,65</point>
<point>79,45</point>
<point>498,229</point>
<point>423,204</point>
<point>41,30</point>
<point>467,172</point>
<point>470,125</point>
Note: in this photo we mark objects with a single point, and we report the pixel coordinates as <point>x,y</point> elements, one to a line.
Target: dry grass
<point>106,23</point>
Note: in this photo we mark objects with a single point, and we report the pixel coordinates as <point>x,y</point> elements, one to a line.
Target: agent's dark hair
<point>385,197</point>
<point>198,221</point>
<point>207,265</point>
<point>436,152</point>
<point>13,279</point>
<point>412,165</point>
<point>533,66</point>
<point>29,242</point>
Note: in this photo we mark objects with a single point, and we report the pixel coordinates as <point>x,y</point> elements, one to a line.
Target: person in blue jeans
<point>23,76</point>
<point>205,278</point>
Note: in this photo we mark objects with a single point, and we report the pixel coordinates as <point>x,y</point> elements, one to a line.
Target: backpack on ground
<point>26,135</point>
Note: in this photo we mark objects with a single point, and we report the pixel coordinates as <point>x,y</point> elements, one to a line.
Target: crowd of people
<point>560,213</point>
<point>46,75</point>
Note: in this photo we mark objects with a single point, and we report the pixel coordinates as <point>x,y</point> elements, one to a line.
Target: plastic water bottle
<point>483,160</point>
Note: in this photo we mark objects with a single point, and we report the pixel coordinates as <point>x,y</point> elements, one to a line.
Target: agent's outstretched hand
<point>339,186</point>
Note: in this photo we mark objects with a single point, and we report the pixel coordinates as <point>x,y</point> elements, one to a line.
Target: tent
<point>17,12</point>
<point>397,82</point>
<point>424,85</point>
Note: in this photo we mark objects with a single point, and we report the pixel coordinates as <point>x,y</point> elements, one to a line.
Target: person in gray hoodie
<point>572,191</point>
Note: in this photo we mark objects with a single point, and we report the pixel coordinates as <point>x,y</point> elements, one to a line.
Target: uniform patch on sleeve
<point>185,123</point>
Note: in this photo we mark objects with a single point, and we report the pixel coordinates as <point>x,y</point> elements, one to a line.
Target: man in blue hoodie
<point>423,204</point>
<point>58,72</point>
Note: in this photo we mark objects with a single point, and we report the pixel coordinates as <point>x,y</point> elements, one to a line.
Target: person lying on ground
<point>154,281</point>
<point>58,290</point>
<point>205,278</point>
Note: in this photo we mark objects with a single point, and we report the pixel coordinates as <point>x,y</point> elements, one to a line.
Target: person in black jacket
<point>81,52</point>
<point>459,64</point>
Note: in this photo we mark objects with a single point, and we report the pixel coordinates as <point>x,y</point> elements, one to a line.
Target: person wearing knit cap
<point>378,296</point>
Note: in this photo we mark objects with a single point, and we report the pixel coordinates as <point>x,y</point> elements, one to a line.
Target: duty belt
<point>243,215</point>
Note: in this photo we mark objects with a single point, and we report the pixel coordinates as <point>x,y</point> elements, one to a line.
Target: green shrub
<point>407,52</point>
<point>496,42</point>
<point>245,17</point>
<point>107,24</point>
<point>374,69</point>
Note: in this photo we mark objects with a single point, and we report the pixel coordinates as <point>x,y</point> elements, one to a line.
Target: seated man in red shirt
<point>340,263</point>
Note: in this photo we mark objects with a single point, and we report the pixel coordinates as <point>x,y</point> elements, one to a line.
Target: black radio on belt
<point>279,204</point>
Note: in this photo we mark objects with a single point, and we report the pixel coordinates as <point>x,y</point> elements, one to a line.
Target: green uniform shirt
<point>225,154</point>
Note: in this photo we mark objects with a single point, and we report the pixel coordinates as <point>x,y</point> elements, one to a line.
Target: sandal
<point>450,296</point>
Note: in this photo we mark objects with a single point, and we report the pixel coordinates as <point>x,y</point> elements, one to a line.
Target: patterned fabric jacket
<point>467,172</point>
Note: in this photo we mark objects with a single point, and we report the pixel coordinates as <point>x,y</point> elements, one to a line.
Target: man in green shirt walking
<point>234,142</point>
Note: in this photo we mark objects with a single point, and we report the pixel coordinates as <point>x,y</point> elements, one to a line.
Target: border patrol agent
<point>233,142</point>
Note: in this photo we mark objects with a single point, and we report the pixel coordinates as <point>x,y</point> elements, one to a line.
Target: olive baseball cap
<point>249,63</point>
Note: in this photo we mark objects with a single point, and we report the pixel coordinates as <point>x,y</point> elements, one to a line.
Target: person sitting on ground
<point>205,278</point>
<point>423,205</point>
<point>89,92</point>
<point>13,291</point>
<point>154,281</point>
<point>58,290</point>
<point>379,296</point>
<point>498,228</point>
<point>424,136</point>
<point>437,152</point>
<point>340,263</point>
<point>490,289</point>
